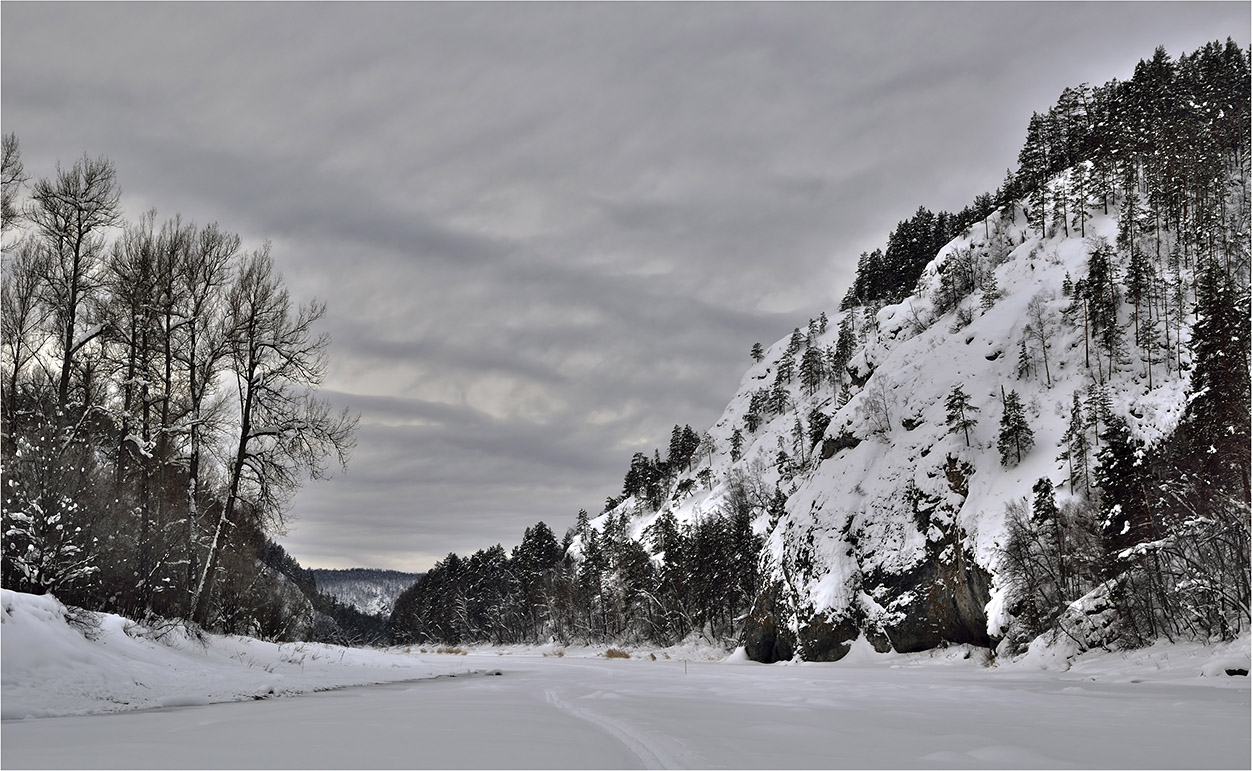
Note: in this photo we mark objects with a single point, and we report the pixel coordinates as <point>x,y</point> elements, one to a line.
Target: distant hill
<point>367,589</point>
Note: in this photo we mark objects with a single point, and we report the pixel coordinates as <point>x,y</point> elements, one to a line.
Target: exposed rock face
<point>943,598</point>
<point>766,637</point>
<point>832,445</point>
<point>822,639</point>
<point>939,598</point>
<point>940,601</point>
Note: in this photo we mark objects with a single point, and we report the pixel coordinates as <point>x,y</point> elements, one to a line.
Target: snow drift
<point>60,661</point>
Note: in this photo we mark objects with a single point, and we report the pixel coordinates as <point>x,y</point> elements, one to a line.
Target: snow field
<point>875,711</point>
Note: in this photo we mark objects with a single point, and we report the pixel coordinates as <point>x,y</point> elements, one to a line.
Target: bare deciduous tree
<point>1040,326</point>
<point>284,430</point>
<point>12,177</point>
<point>22,318</point>
<point>876,407</point>
<point>70,214</point>
<point>202,273</point>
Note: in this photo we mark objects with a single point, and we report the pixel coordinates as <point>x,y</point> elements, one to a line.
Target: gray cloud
<point>548,232</point>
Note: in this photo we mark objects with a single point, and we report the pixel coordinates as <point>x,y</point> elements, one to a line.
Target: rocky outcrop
<point>766,636</point>
<point>825,639</point>
<point>940,601</point>
<point>938,598</point>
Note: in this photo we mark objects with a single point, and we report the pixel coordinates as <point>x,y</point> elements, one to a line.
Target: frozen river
<point>590,713</point>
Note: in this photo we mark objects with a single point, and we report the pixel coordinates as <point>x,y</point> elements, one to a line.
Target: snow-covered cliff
<point>893,525</point>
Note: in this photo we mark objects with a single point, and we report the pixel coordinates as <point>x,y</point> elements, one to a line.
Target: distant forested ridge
<point>369,590</point>
<point>1029,418</point>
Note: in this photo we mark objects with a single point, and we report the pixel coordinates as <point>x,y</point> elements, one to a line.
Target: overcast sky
<point>548,233</point>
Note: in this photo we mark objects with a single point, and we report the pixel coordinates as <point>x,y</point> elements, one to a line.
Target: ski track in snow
<point>636,741</point>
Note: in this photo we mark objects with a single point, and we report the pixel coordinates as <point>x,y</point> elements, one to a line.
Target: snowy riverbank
<point>53,668</point>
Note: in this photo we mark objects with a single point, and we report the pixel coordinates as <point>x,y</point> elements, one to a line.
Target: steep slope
<point>893,526</point>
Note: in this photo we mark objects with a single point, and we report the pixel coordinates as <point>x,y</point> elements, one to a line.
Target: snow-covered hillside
<point>893,525</point>
<point>368,590</point>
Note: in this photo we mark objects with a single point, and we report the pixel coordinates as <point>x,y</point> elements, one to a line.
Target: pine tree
<point>1077,449</point>
<point>1166,307</point>
<point>1104,300</point>
<point>736,445</point>
<point>638,476</point>
<point>845,396</point>
<point>1016,438</point>
<point>1044,508</point>
<point>960,412</point>
<point>1112,340</point>
<point>1023,361</point>
<point>676,455</point>
<point>1123,482</point>
<point>818,422</point>
<point>782,462</point>
<point>1035,161</point>
<point>757,405</point>
<point>1099,408</point>
<point>822,323</point>
<point>1140,277</point>
<point>1052,530</point>
<point>1080,196</point>
<point>1008,193</point>
<point>984,207</point>
<point>812,370</point>
<point>778,398</point>
<point>990,291</point>
<point>798,436</point>
<point>1139,268</point>
<point>1080,307</point>
<point>758,353</point>
<point>795,343</point>
<point>786,368</point>
<point>844,346</point>
<point>1216,422</point>
<point>660,476</point>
